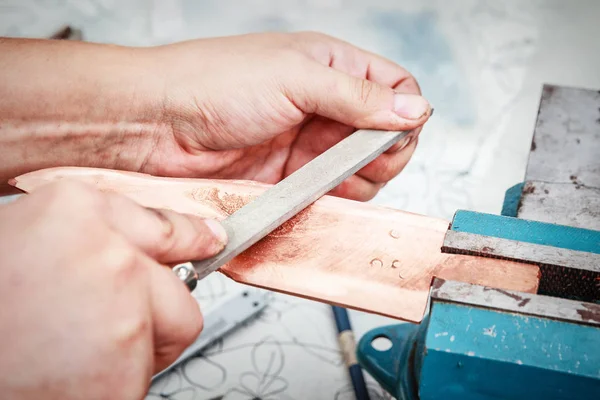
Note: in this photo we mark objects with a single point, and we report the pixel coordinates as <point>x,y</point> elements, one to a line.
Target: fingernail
<point>410,106</point>
<point>217,230</point>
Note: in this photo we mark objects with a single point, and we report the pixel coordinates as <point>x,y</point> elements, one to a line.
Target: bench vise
<point>482,343</point>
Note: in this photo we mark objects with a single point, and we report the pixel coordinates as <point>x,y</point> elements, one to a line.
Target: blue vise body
<point>483,343</point>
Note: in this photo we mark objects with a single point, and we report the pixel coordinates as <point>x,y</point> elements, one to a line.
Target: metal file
<point>281,202</point>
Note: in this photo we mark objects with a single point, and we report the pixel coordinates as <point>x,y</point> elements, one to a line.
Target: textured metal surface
<point>290,196</point>
<point>566,142</point>
<point>565,273</point>
<point>561,203</point>
<point>518,302</point>
<point>220,321</point>
<point>563,172</point>
<point>522,251</point>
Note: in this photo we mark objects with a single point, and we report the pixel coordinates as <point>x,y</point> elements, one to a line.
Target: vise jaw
<point>484,343</point>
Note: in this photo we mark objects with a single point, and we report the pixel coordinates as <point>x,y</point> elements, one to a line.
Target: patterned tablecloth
<point>481,63</point>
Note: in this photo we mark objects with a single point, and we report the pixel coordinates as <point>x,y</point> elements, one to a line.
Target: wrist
<point>81,104</point>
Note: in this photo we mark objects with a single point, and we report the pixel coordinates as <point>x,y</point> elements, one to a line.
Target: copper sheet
<point>337,251</point>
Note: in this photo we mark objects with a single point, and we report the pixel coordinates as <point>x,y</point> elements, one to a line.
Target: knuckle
<point>315,45</point>
<point>119,259</point>
<point>131,331</point>
<point>168,236</point>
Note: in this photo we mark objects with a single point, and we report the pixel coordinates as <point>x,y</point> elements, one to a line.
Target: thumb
<point>357,102</point>
<point>164,235</point>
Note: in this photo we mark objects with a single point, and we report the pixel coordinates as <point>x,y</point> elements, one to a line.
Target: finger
<point>357,102</point>
<point>378,69</point>
<point>165,235</point>
<point>402,143</point>
<point>358,62</point>
<point>319,135</point>
<point>388,73</point>
<point>387,166</point>
<point>176,317</point>
<point>314,138</point>
<point>356,188</point>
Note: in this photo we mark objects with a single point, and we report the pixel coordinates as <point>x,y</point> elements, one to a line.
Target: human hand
<point>245,107</point>
<point>89,309</point>
<point>260,106</point>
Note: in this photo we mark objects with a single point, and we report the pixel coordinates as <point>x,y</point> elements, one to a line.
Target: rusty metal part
<point>522,303</point>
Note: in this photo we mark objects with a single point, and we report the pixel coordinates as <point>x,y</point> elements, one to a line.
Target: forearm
<point>70,103</point>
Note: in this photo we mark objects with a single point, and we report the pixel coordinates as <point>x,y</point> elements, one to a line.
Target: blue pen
<point>348,347</point>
